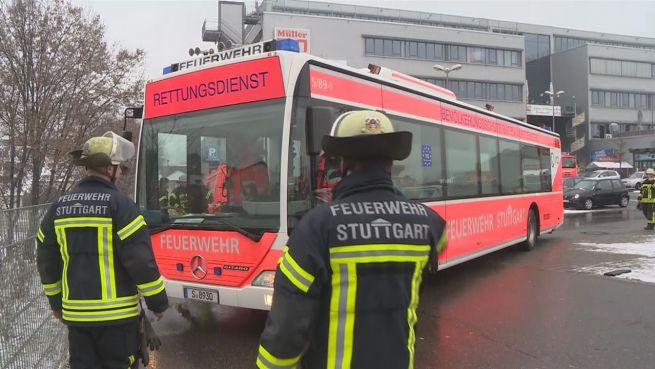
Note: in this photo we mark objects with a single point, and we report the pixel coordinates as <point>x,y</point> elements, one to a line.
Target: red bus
<point>234,135</point>
<point>569,165</point>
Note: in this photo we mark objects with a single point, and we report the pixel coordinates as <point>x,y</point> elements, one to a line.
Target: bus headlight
<point>265,279</point>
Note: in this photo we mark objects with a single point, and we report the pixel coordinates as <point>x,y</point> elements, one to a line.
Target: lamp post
<point>553,95</point>
<point>447,70</point>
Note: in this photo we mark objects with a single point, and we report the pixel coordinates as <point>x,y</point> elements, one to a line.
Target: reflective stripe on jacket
<point>647,191</point>
<point>346,288</point>
<point>94,256</point>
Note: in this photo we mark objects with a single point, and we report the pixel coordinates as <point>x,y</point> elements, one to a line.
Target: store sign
<point>578,119</point>
<point>604,155</point>
<point>577,144</point>
<point>645,156</point>
<point>544,110</point>
<point>301,35</point>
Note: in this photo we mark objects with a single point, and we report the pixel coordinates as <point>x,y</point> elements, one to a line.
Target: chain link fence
<point>29,336</point>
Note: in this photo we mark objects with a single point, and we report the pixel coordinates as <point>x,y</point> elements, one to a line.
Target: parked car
<point>635,180</point>
<point>588,193</point>
<point>601,174</point>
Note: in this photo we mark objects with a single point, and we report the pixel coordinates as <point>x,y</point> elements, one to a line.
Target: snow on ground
<point>642,266</point>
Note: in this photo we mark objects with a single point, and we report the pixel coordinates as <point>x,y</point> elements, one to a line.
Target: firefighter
<point>346,288</point>
<point>646,199</point>
<point>177,200</point>
<point>95,258</point>
<point>163,194</point>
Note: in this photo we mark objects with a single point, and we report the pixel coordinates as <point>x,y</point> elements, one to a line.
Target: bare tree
<point>59,83</point>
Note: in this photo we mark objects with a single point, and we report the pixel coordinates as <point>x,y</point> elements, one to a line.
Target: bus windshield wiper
<point>207,222</point>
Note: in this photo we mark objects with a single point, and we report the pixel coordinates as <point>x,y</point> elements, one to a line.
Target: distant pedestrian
<point>94,258</point>
<point>646,199</point>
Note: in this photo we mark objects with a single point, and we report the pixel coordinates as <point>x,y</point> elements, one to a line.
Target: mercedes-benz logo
<point>198,266</point>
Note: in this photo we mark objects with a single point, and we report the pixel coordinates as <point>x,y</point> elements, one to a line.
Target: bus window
<point>461,164</point>
<point>510,167</point>
<point>489,176</point>
<point>419,176</point>
<point>223,161</point>
<point>546,182</point>
<point>531,168</point>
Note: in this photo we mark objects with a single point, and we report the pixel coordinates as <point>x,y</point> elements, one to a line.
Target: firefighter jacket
<point>346,288</point>
<point>94,257</point>
<point>177,200</point>
<point>647,192</point>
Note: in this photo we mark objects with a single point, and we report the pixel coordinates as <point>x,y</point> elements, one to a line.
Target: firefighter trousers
<point>110,347</point>
<point>649,212</point>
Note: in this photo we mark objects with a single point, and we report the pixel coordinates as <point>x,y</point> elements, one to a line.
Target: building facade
<point>605,78</point>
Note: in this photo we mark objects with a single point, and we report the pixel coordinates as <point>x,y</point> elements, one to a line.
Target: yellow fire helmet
<point>366,134</point>
<point>108,149</point>
<point>650,171</point>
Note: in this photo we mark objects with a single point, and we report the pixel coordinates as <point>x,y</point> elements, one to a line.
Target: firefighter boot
<point>649,226</point>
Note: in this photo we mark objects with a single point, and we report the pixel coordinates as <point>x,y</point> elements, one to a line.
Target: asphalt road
<point>548,308</point>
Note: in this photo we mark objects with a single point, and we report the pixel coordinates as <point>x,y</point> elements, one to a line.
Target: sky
<point>167,29</point>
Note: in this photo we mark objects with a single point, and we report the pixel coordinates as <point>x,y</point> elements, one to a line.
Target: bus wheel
<point>531,240</point>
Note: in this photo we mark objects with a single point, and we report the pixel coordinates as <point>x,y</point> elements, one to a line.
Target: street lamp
<point>447,70</point>
<point>553,95</point>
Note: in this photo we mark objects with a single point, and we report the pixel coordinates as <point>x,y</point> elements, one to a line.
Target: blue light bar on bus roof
<point>282,44</point>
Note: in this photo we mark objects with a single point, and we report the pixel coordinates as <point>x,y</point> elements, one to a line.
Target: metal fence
<point>29,336</point>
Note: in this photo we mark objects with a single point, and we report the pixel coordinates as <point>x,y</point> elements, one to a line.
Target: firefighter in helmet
<point>95,258</point>
<point>646,199</point>
<point>346,287</point>
<point>177,200</point>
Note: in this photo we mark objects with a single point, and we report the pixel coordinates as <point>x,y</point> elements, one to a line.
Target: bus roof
<point>384,75</point>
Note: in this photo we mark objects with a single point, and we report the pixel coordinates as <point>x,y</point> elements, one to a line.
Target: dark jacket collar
<point>363,180</point>
<point>91,180</point>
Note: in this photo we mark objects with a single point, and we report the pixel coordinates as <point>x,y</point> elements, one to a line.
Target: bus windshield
<point>568,162</point>
<point>217,168</point>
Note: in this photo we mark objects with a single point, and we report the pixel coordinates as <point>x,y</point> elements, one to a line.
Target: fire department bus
<point>230,160</point>
<point>569,165</point>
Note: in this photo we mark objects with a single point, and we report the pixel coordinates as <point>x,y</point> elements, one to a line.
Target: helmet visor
<point>122,150</point>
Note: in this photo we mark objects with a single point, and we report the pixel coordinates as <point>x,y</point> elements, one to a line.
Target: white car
<point>635,180</point>
<point>602,174</point>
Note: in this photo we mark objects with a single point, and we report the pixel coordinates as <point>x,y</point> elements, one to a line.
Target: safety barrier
<point>29,335</point>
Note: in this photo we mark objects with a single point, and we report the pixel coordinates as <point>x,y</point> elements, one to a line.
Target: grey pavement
<point>511,309</point>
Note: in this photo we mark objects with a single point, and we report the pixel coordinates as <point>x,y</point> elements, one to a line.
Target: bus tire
<point>531,233</point>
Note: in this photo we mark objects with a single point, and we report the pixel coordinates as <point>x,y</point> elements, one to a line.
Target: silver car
<point>635,180</point>
<point>601,174</point>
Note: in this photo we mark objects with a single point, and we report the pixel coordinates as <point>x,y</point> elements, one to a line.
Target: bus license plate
<point>200,294</point>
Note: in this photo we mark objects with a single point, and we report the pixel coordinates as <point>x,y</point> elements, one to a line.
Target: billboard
<point>545,110</point>
<point>299,34</point>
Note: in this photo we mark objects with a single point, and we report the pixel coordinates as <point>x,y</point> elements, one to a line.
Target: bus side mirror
<point>318,122</point>
<point>133,113</point>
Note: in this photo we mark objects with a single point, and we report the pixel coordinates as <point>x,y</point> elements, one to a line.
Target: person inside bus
<point>163,194</point>
<point>337,250</point>
<point>177,200</point>
<point>249,172</point>
<point>328,176</point>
